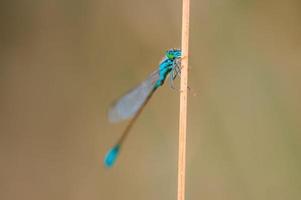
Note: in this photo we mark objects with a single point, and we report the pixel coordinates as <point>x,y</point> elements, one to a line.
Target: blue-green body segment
<point>133,101</point>
<point>168,64</point>
<point>111,156</point>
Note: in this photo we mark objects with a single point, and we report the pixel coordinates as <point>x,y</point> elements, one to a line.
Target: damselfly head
<point>173,53</point>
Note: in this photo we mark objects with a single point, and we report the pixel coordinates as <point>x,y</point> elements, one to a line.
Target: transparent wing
<point>129,104</point>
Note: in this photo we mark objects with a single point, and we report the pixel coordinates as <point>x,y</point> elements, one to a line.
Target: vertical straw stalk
<point>183,101</point>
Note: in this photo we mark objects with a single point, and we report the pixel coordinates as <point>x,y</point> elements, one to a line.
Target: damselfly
<point>132,103</point>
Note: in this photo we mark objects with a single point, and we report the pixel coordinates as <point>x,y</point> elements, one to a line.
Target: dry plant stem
<point>183,101</point>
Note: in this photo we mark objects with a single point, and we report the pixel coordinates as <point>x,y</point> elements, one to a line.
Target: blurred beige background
<point>63,62</point>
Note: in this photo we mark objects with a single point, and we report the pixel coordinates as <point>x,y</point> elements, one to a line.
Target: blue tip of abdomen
<point>111,156</point>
